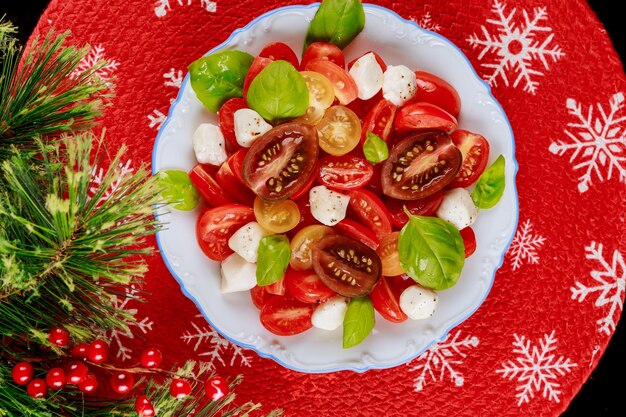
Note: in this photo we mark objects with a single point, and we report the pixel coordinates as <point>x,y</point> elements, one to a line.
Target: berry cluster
<point>76,372</point>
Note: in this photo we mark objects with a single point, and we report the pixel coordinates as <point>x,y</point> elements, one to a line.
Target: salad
<point>333,190</point>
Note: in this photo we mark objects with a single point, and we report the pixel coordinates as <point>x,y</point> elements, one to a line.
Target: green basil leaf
<point>219,76</point>
<point>375,149</point>
<point>431,252</point>
<point>358,322</point>
<point>490,185</point>
<point>336,21</point>
<point>177,189</point>
<point>273,259</point>
<point>279,92</point>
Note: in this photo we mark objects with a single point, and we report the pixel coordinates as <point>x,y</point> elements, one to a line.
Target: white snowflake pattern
<point>516,47</point>
<point>173,79</point>
<point>599,142</point>
<point>157,118</point>
<point>95,56</point>
<point>161,7</point>
<point>609,283</point>
<point>536,368</point>
<point>117,336</point>
<point>525,245</point>
<point>425,22</point>
<point>441,359</point>
<point>205,336</point>
<point>97,175</point>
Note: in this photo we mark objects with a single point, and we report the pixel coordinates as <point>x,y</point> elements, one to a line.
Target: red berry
<point>89,384</point>
<point>76,372</point>
<point>151,358</point>
<point>55,378</point>
<point>59,336</point>
<point>143,406</point>
<point>122,382</point>
<point>216,388</point>
<point>80,351</point>
<point>180,388</point>
<point>98,351</point>
<point>22,373</point>
<point>37,388</point>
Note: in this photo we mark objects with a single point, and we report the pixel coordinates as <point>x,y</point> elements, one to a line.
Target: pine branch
<point>38,98</point>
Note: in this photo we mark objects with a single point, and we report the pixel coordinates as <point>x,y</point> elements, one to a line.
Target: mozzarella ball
<point>368,76</point>
<point>327,206</point>
<point>208,145</point>
<point>418,302</point>
<point>237,274</point>
<point>399,84</point>
<point>329,314</point>
<point>249,125</point>
<point>458,208</point>
<point>245,241</point>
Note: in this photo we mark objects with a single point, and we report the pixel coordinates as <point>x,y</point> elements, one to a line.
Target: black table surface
<point>597,397</point>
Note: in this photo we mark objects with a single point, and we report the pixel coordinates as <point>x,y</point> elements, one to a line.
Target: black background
<point>598,396</point>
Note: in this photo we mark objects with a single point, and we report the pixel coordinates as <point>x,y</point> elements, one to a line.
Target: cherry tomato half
<point>217,225</point>
<point>379,120</point>
<point>475,151</point>
<point>357,231</point>
<point>306,187</point>
<point>389,257</point>
<point>301,245</point>
<point>343,84</point>
<point>229,181</point>
<point>469,241</point>
<point>420,116</point>
<point>226,116</point>
<point>386,297</point>
<point>280,51</point>
<point>321,91</point>
<point>420,165</point>
<point>346,266</point>
<point>286,316</point>
<point>370,211</point>
<point>306,286</point>
<point>203,180</point>
<point>434,90</point>
<point>326,51</point>
<point>344,172</point>
<point>423,207</point>
<point>276,217</point>
<point>281,161</point>
<point>339,130</point>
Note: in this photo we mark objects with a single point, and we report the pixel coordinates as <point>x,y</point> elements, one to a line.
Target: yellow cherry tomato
<point>301,245</point>
<point>312,116</point>
<point>321,92</point>
<point>339,130</point>
<point>276,217</point>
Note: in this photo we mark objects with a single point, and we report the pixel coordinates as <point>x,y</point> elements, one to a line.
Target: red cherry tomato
<point>324,50</point>
<point>370,211</point>
<point>226,116</point>
<point>217,225</point>
<point>345,172</point>
<point>122,382</point>
<point>280,51</point>
<point>151,358</point>
<point>216,388</point>
<point>386,297</point>
<point>144,407</point>
<point>80,351</point>
<point>76,372</point>
<point>357,231</point>
<point>98,351</point>
<point>257,66</point>
<point>475,151</point>
<point>380,61</point>
<point>55,378</point>
<point>376,184</point>
<point>420,165</point>
<point>423,207</point>
<point>379,120</point>
<point>420,116</point>
<point>235,162</point>
<point>37,388</point>
<point>203,180</point>
<point>306,286</point>
<point>180,388</point>
<point>306,187</point>
<point>89,384</point>
<point>469,241</point>
<point>277,288</point>
<point>434,90</point>
<point>362,107</point>
<point>259,296</point>
<point>227,179</point>
<point>22,373</point>
<point>286,316</point>
<point>345,87</point>
<point>59,336</point>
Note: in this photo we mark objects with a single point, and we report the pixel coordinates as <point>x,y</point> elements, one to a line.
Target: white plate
<point>234,316</point>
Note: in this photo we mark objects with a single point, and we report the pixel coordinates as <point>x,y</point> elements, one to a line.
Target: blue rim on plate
<point>446,332</point>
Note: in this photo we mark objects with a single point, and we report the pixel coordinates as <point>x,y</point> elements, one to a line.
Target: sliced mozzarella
<point>249,125</point>
<point>399,84</point>
<point>418,302</point>
<point>368,76</point>
<point>208,144</point>
<point>329,315</point>
<point>458,208</point>
<point>237,274</point>
<point>327,206</point>
<point>245,241</point>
